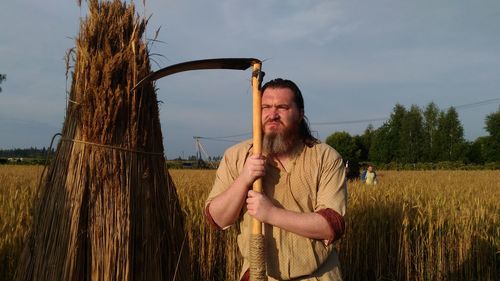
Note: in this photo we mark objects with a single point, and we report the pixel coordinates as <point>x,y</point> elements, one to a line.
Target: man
<point>304,198</point>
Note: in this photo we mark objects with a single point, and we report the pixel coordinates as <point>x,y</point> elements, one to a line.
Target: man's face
<point>280,114</point>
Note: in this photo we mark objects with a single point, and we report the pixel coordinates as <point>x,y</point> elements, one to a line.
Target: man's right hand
<point>226,207</point>
<point>254,168</point>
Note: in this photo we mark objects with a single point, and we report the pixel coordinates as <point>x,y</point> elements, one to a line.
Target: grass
<point>17,192</point>
<point>432,225</point>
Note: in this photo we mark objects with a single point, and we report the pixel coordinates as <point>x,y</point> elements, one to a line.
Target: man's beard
<point>281,142</point>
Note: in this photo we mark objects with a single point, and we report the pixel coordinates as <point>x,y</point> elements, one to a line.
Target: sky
<point>353,60</point>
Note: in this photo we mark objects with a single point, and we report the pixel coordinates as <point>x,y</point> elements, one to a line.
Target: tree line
<point>418,135</point>
<point>32,152</point>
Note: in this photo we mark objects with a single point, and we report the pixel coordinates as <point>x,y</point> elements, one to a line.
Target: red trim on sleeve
<point>209,218</point>
<point>336,222</point>
<point>246,276</point>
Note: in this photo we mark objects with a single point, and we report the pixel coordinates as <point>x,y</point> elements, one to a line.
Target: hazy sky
<point>353,60</point>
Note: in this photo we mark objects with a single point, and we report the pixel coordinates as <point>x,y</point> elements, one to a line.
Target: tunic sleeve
<point>223,179</point>
<point>332,185</point>
<point>332,193</point>
<point>231,163</point>
<point>336,223</point>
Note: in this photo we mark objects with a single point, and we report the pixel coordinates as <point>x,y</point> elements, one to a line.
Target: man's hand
<point>310,225</point>
<point>255,167</point>
<point>226,207</point>
<point>259,206</point>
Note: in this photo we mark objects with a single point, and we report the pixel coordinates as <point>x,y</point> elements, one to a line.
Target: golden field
<point>413,225</point>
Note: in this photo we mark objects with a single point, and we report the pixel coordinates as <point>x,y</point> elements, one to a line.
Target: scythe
<point>257,262</point>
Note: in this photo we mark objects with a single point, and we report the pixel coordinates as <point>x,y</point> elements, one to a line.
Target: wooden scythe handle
<point>257,249</point>
<point>257,133</point>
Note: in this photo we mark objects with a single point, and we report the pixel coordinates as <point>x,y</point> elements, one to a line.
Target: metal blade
<point>222,63</point>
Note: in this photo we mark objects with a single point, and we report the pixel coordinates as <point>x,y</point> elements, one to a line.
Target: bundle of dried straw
<point>107,208</point>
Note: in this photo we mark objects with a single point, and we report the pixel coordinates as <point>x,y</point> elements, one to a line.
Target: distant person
<point>369,176</point>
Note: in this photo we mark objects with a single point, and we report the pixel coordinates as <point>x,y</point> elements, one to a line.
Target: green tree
<point>412,136</point>
<point>450,136</point>
<point>380,149</point>
<point>394,134</point>
<point>493,124</point>
<point>344,144</point>
<point>431,115</point>
<point>363,143</point>
<point>474,151</point>
<point>3,77</point>
<point>487,151</point>
<point>491,145</point>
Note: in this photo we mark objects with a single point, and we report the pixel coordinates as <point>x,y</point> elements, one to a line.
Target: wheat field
<point>413,225</point>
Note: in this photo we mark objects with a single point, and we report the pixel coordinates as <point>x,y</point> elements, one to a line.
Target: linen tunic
<point>313,180</point>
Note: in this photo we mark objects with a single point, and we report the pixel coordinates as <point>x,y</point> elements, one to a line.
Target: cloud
<point>316,22</point>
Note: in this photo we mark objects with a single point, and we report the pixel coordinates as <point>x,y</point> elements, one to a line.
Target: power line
<point>234,136</point>
<point>476,104</point>
<point>215,139</point>
<point>462,106</point>
<point>350,121</point>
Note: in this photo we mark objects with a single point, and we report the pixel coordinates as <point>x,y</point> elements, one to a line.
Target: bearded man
<point>304,198</point>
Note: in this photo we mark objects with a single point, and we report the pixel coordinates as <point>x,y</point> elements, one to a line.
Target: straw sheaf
<point>107,209</point>
<point>110,54</point>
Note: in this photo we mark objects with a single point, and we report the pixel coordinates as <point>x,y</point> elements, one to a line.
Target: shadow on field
<point>9,258</point>
<point>482,262</point>
<point>385,241</point>
<point>370,249</point>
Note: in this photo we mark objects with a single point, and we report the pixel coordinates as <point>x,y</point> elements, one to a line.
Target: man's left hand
<point>259,206</point>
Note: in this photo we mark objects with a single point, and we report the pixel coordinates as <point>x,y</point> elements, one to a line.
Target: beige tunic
<point>313,180</point>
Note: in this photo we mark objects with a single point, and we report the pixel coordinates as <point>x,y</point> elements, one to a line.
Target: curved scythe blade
<point>222,63</point>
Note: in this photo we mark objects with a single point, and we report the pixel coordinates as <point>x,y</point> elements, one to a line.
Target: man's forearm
<point>226,207</point>
<point>310,225</point>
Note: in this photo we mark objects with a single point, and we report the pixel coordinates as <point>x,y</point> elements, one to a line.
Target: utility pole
<point>201,150</point>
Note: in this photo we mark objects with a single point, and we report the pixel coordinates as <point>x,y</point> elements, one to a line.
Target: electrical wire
<point>462,106</point>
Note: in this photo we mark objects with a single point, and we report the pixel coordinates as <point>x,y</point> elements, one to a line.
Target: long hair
<point>304,130</point>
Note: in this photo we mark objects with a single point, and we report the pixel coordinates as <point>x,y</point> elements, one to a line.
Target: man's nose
<point>274,115</point>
